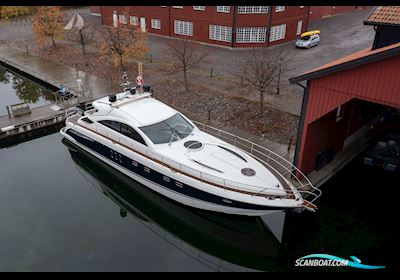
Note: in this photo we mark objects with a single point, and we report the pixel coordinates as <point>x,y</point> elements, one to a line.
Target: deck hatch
<point>207,166</point>
<point>232,152</point>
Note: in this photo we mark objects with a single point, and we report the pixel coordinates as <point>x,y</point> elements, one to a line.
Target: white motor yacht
<point>164,150</point>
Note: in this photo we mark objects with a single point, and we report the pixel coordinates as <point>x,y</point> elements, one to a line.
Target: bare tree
<point>184,55</point>
<point>84,36</point>
<point>284,65</point>
<point>258,68</point>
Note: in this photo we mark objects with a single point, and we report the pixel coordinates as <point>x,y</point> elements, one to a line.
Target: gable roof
<point>384,15</point>
<point>355,59</point>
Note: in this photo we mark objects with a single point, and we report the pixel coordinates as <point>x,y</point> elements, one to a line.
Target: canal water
<point>15,88</point>
<point>62,210</point>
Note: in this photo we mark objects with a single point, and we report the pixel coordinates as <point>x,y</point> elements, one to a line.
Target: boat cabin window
<point>125,130</point>
<point>169,130</point>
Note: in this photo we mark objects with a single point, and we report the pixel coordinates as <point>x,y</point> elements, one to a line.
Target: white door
<point>115,19</point>
<point>143,24</point>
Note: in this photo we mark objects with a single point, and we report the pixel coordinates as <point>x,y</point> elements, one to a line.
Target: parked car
<point>308,39</point>
<point>384,152</point>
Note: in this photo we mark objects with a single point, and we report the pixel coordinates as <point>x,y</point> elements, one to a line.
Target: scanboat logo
<point>329,260</point>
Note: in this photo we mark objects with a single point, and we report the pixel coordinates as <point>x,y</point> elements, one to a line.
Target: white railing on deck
<point>265,156</point>
<point>270,159</point>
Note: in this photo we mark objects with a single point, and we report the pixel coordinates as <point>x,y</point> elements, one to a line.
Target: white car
<point>308,41</point>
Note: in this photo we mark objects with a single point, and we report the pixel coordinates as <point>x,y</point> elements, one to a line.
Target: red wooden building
<point>230,26</point>
<point>341,100</point>
<point>344,97</point>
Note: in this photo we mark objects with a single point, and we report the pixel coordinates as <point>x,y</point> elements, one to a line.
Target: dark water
<point>15,88</point>
<point>65,211</point>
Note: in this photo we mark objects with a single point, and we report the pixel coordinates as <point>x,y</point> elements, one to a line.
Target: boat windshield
<point>169,130</point>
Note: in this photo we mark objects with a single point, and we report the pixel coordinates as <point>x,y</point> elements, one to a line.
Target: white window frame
<point>224,9</point>
<point>278,32</point>
<point>183,27</point>
<point>122,19</point>
<point>252,9</point>
<point>251,34</point>
<point>220,33</point>
<point>299,27</point>
<point>155,23</point>
<point>134,20</point>
<point>279,9</point>
<point>177,7</point>
<point>199,8</point>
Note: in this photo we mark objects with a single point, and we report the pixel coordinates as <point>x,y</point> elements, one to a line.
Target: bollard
<point>151,58</point>
<point>290,144</point>
<point>209,115</point>
<point>8,111</point>
<point>211,72</point>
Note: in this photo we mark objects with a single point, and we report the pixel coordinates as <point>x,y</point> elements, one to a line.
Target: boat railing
<point>303,188</point>
<point>285,169</point>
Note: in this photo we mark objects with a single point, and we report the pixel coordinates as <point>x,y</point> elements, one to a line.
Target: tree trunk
<point>279,80</point>
<point>121,63</point>
<point>82,43</point>
<point>261,101</point>
<point>52,40</point>
<point>185,80</point>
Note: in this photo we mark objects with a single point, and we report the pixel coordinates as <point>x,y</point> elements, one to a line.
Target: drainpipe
<point>269,24</point>
<point>170,23</point>
<point>302,120</point>
<point>308,17</point>
<point>233,27</point>
<point>101,13</point>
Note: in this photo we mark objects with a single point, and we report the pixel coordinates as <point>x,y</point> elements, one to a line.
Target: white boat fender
<point>7,128</point>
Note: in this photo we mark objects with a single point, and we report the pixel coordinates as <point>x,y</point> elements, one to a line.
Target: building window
<point>199,8</point>
<point>183,27</point>
<point>299,27</point>
<point>134,20</point>
<point>251,34</point>
<point>177,7</point>
<point>155,23</point>
<point>122,19</point>
<point>253,9</point>
<point>223,9</point>
<point>220,33</point>
<point>277,32</point>
<point>279,8</point>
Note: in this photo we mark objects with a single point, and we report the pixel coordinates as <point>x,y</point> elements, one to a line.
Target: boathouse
<point>347,100</point>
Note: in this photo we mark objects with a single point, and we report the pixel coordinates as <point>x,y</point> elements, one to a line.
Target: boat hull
<point>184,194</point>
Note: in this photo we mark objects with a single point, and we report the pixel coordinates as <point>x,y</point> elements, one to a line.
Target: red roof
<point>385,15</point>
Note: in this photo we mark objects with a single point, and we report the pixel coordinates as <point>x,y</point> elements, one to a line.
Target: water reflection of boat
<point>223,242</point>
